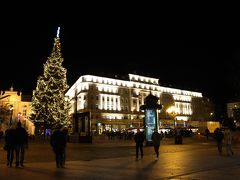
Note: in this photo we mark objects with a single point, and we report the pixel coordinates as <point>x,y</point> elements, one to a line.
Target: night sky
<point>185,57</point>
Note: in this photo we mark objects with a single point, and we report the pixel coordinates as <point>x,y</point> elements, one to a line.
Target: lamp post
<point>11,114</point>
<point>172,111</point>
<point>178,137</point>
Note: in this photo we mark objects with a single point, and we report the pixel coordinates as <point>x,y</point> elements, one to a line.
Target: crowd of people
<point>16,142</point>
<point>221,136</point>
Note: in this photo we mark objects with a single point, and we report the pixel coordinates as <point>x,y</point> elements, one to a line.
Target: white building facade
<point>115,104</point>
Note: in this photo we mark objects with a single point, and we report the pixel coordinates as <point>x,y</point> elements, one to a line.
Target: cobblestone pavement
<point>196,158</point>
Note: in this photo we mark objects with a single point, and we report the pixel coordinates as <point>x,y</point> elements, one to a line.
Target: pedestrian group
<point>16,142</point>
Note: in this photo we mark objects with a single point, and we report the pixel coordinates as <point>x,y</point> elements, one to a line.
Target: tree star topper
<point>58,32</point>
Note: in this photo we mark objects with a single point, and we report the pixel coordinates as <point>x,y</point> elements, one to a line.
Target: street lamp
<point>11,113</point>
<point>172,111</point>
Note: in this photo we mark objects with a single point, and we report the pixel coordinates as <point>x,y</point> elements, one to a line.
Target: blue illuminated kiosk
<point>150,119</point>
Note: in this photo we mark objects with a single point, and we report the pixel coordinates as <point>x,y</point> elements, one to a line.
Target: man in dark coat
<point>218,135</point>
<point>139,139</point>
<point>21,144</point>
<point>207,132</point>
<point>65,133</point>
<point>156,138</point>
<point>10,137</point>
<point>58,143</point>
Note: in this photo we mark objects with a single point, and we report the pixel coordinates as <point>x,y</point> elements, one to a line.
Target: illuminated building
<point>231,106</point>
<point>18,108</point>
<point>115,104</point>
<point>233,111</point>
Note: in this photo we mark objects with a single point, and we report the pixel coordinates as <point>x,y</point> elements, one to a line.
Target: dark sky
<point>188,56</point>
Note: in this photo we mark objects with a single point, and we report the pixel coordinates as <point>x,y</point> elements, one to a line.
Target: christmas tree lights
<point>49,104</point>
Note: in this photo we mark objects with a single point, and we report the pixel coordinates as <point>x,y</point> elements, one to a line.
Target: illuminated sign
<point>150,123</point>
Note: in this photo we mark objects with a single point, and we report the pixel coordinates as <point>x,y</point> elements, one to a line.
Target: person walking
<point>156,138</point>
<point>10,136</point>
<point>65,133</point>
<point>228,141</point>
<point>58,143</point>
<point>139,139</point>
<point>218,135</point>
<point>21,144</point>
<point>207,132</point>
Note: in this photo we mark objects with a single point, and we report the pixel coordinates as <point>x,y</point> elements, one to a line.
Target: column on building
<point>138,104</point>
<point>101,103</point>
<point>114,102</point>
<point>142,95</point>
<point>110,103</point>
<point>119,107</point>
<point>105,102</point>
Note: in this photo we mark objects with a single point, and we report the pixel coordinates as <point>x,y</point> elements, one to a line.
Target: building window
<point>108,127</point>
<point>25,112</point>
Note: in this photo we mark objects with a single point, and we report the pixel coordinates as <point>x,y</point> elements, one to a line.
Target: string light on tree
<point>49,103</point>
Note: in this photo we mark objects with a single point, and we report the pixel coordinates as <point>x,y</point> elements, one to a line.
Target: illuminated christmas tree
<point>49,103</point>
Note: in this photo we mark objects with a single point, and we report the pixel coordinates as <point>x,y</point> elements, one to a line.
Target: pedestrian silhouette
<point>228,141</point>
<point>218,135</point>
<point>139,139</point>
<point>1,134</point>
<point>58,143</point>
<point>65,133</point>
<point>10,137</point>
<point>21,144</point>
<point>156,138</point>
<point>207,132</point>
